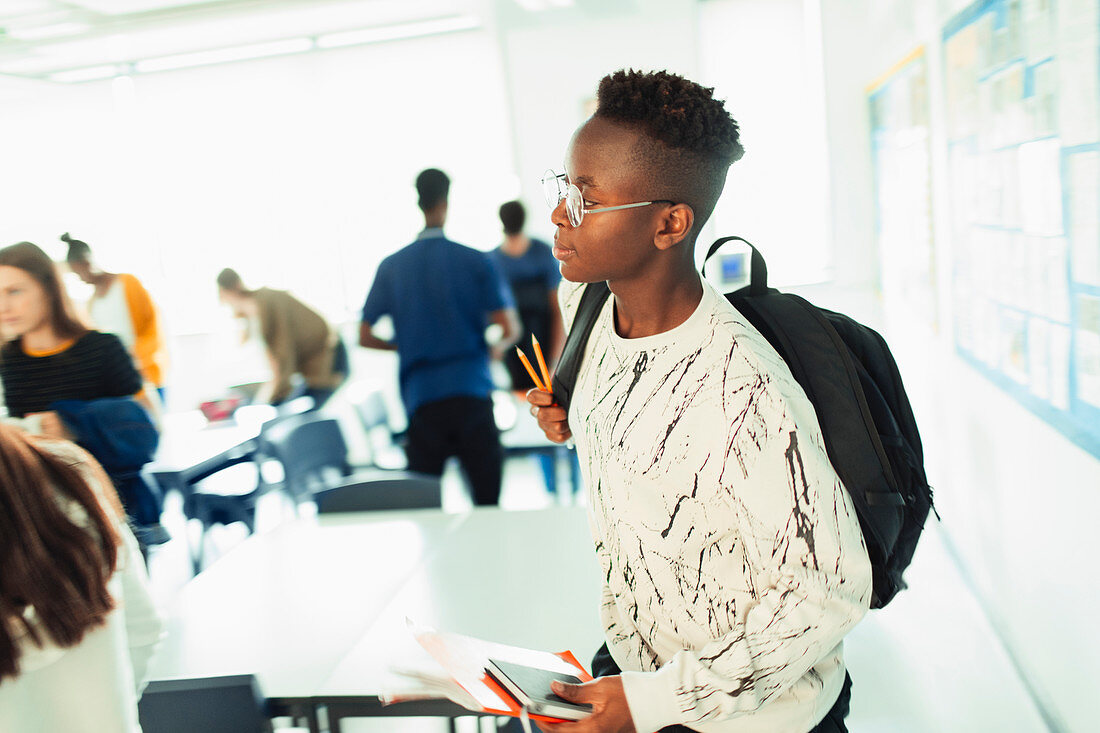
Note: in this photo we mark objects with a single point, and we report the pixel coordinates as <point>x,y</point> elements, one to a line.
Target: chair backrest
<point>232,704</point>
<point>375,419</point>
<point>382,490</point>
<point>311,449</point>
<point>372,411</point>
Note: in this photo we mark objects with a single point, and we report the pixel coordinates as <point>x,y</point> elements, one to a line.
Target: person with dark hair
<point>49,354</point>
<point>52,365</point>
<point>732,556</point>
<point>121,305</point>
<point>75,610</point>
<point>441,296</point>
<point>297,338</point>
<point>532,273</point>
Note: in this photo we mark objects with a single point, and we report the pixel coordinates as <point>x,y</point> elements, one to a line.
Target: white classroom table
<point>316,608</point>
<point>527,579</point>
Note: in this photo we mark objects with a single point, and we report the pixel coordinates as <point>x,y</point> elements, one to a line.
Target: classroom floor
<point>930,662</point>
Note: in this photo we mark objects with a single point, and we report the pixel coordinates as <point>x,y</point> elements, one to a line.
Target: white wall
<point>1018,499</point>
<point>297,171</point>
<point>553,66</point>
<point>764,58</point>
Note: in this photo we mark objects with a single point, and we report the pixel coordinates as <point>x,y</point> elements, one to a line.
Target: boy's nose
<point>558,216</point>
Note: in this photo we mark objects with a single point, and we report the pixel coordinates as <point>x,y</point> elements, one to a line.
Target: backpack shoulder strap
<point>565,377</point>
<point>758,269</point>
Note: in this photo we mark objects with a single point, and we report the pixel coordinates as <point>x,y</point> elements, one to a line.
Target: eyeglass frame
<point>564,193</point>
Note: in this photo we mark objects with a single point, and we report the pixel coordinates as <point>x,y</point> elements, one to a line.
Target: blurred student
<point>77,624</point>
<point>732,557</point>
<point>441,296</point>
<point>532,273</point>
<point>121,305</point>
<point>64,380</point>
<point>51,355</point>
<point>297,338</point>
<point>529,266</point>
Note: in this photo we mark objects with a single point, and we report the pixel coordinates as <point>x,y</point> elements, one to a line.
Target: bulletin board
<point>902,158</point>
<point>1022,86</point>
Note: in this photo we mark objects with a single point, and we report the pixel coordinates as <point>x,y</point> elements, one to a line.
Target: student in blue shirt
<point>529,266</point>
<point>441,296</point>
<point>532,272</point>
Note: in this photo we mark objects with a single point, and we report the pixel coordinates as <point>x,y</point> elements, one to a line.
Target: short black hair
<point>432,185</point>
<point>692,139</point>
<point>513,216</point>
<point>78,251</point>
<point>228,279</point>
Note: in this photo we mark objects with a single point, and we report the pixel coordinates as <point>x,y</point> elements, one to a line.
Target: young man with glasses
<point>733,560</point>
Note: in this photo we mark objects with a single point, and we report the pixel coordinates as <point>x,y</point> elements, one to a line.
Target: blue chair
<point>312,451</point>
<point>232,704</point>
<point>381,490</point>
<point>228,491</point>
<point>383,449</point>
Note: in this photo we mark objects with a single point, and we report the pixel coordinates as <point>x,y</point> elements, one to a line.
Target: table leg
<point>309,712</point>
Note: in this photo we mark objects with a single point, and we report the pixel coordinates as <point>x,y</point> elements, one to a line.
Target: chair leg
<point>197,552</point>
<point>311,716</point>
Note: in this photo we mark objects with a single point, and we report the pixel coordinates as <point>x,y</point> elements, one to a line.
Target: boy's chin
<point>580,278</point>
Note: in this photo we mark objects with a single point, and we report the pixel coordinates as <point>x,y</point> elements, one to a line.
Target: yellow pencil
<point>530,370</point>
<point>542,364</point>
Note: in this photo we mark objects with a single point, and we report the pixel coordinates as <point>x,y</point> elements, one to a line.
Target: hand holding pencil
<point>544,383</point>
<point>552,418</point>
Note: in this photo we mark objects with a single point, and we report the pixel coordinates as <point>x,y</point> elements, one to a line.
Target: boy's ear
<point>674,226</point>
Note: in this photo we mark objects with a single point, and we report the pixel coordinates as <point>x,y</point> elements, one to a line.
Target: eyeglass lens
<point>554,188</point>
<point>574,206</point>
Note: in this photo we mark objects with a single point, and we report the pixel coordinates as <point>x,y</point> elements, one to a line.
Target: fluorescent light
<point>123,7</point>
<point>395,32</point>
<point>225,55</point>
<point>537,6</point>
<point>435,26</point>
<point>88,73</point>
<point>42,32</point>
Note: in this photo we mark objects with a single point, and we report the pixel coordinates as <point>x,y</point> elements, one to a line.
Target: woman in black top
<point>51,355</point>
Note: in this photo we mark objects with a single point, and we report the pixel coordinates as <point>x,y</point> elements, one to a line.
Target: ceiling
<point>79,40</point>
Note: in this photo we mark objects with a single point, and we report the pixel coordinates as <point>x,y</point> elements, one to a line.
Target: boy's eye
<point>588,204</point>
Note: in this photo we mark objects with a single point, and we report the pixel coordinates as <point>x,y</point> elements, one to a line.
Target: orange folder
<point>464,658</point>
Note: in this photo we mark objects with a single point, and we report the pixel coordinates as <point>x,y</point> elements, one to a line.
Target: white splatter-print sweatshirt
<point>733,560</point>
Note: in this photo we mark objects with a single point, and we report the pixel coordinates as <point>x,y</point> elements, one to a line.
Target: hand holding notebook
<point>530,686</point>
<point>467,662</point>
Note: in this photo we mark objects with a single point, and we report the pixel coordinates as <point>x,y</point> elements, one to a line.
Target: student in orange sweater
<point>121,305</point>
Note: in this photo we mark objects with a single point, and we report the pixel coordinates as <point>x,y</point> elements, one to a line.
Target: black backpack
<point>848,373</point>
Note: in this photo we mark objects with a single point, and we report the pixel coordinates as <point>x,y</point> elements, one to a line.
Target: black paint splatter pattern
<point>732,555</point>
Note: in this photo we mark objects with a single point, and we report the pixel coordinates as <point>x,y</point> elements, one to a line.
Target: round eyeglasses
<point>555,188</point>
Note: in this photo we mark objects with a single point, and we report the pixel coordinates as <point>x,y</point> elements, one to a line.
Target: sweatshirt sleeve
<point>32,655</point>
<point>811,583</point>
<point>144,626</point>
<point>119,376</point>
